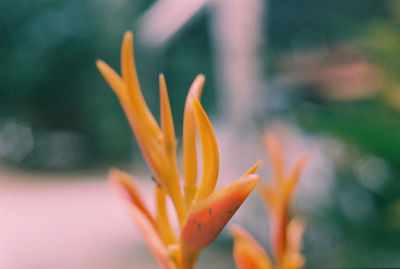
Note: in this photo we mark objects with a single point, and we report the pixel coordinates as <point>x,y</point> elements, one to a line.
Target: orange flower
<point>202,213</point>
<point>286,236</point>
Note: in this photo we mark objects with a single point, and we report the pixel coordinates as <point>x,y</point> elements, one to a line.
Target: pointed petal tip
<point>100,64</point>
<point>128,36</point>
<point>121,182</point>
<point>114,176</point>
<point>195,89</point>
<point>235,230</point>
<point>254,168</point>
<point>200,77</point>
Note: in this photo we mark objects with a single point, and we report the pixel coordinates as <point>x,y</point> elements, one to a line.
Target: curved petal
<point>248,254</point>
<point>189,141</point>
<point>208,217</point>
<point>170,178</point>
<point>143,124</point>
<point>128,70</point>
<point>209,151</point>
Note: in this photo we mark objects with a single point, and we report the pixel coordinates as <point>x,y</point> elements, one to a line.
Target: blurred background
<point>321,75</point>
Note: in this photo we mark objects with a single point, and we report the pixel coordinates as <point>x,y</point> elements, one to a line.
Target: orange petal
<point>208,217</point>
<point>171,176</point>
<point>116,83</point>
<point>294,176</point>
<point>275,153</point>
<point>125,183</point>
<point>209,150</point>
<point>296,229</point>
<point>145,128</point>
<point>293,258</point>
<point>268,196</point>
<point>128,70</point>
<point>247,252</point>
<point>189,141</point>
<point>253,168</point>
<point>153,240</point>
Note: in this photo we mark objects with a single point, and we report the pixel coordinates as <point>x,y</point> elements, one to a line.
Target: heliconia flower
<point>286,236</point>
<point>202,212</point>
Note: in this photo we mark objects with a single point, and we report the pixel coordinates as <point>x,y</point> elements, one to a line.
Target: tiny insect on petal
<point>209,216</point>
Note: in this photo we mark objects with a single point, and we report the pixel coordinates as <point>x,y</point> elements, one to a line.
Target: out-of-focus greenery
<point>370,129</point>
<point>50,82</point>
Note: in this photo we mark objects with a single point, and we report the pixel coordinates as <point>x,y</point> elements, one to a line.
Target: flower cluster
<point>202,212</point>
<point>286,234</point>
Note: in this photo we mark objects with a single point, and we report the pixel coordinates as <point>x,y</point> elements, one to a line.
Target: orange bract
<point>286,236</point>
<point>202,213</point>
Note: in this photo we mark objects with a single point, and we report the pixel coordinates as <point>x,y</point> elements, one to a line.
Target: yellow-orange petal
<point>247,252</point>
<point>189,141</point>
<point>153,240</point>
<point>208,217</point>
<point>162,218</point>
<point>167,122</point>
<point>209,151</point>
<point>125,183</point>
